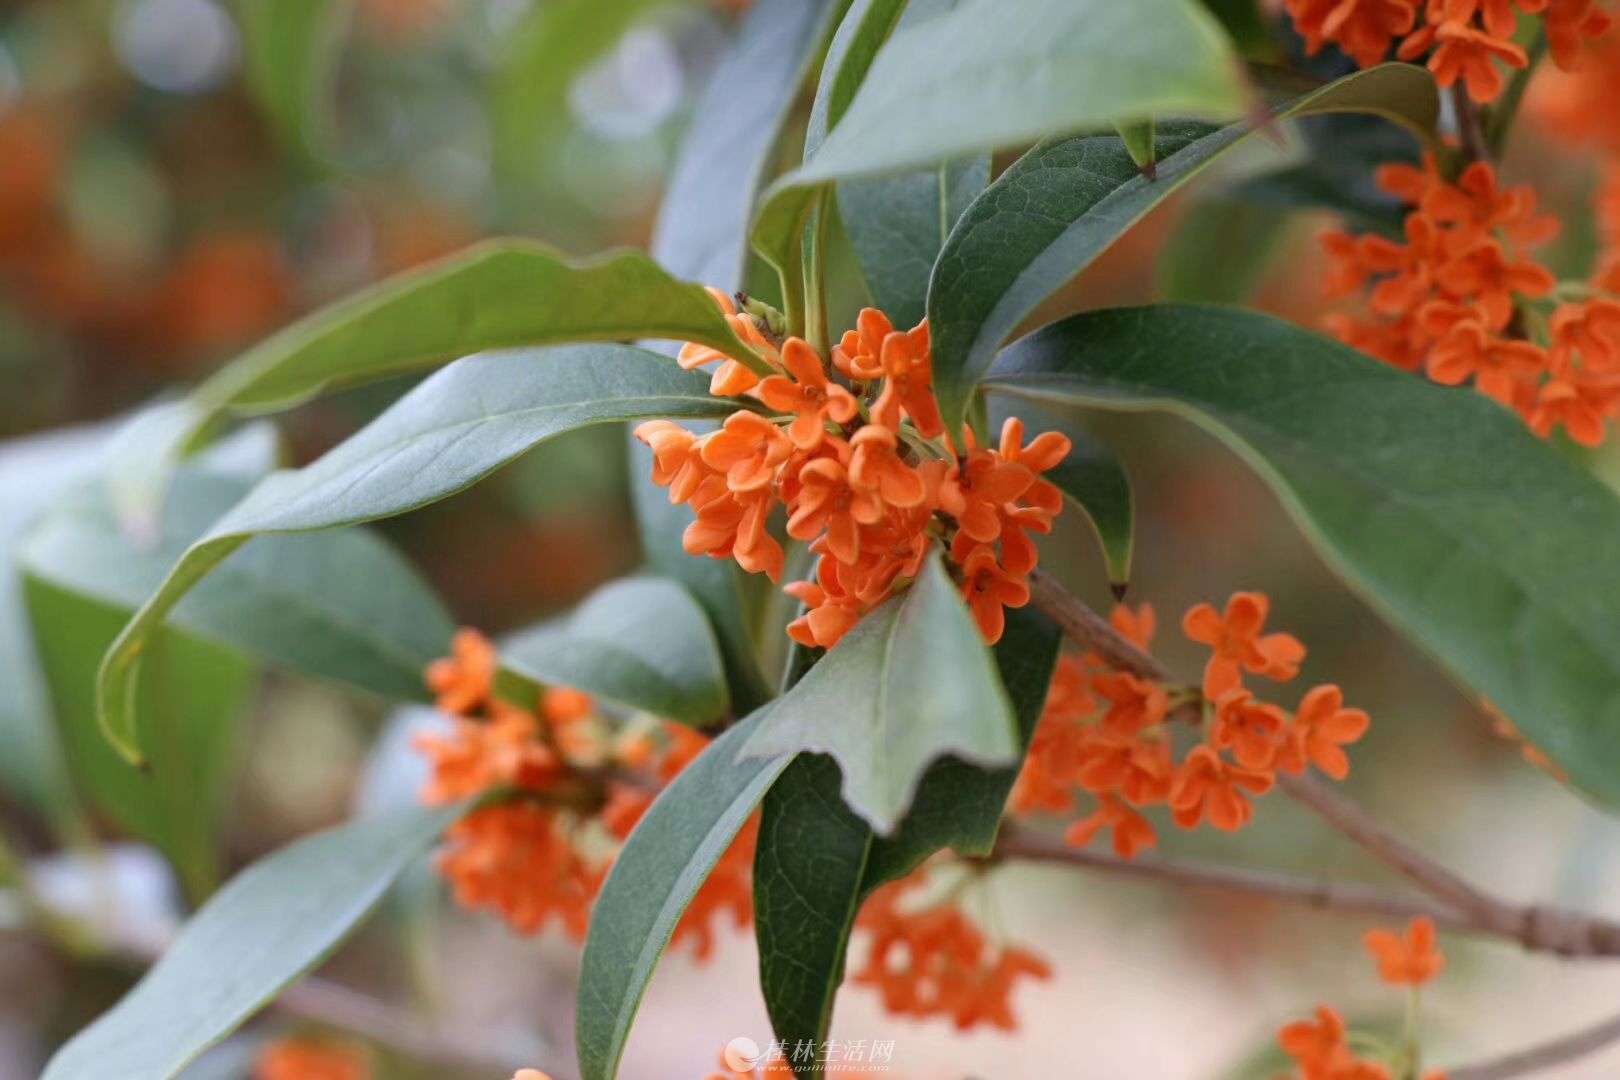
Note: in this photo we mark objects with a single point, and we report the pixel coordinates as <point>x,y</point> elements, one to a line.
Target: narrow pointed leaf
<point>808,870</point>
<point>1055,210</point>
<point>274,921</point>
<point>498,294</point>
<point>642,643</point>
<point>654,877</point>
<point>1495,553</point>
<point>910,683</point>
<point>341,606</point>
<point>291,52</point>
<point>453,429</point>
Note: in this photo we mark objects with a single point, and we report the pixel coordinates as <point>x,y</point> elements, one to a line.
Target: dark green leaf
<point>898,224</point>
<point>642,643</point>
<point>274,921</point>
<point>447,433</point>
<point>910,683</point>
<point>808,870</point>
<point>655,875</point>
<point>1220,251</point>
<point>498,294</point>
<point>1063,203</point>
<point>1489,548</point>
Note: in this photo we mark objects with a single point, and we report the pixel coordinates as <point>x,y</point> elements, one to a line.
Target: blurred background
<point>168,195</point>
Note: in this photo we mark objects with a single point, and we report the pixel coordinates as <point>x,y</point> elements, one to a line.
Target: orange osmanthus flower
<point>1238,644</point>
<point>310,1059</point>
<point>1408,959</point>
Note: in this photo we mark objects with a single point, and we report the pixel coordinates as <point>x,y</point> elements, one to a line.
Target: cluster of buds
<point>856,452</point>
<point>1110,734</point>
<point>573,785</point>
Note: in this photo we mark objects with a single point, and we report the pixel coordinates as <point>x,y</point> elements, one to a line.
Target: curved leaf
<point>497,294</point>
<point>655,875</point>
<point>1486,546</point>
<point>453,429</point>
<point>1063,203</point>
<point>274,921</point>
<point>342,606</point>
<point>642,643</point>
<point>911,682</point>
<point>808,869</point>
<point>817,860</point>
<point>991,75</point>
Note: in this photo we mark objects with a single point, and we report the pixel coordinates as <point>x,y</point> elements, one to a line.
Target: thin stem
<point>1543,1056</point>
<point>1469,128</point>
<point>1500,122</point>
<point>815,244</point>
<point>1542,929</point>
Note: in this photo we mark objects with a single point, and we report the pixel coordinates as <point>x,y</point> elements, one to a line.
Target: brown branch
<point>1544,1056</point>
<point>1470,128</point>
<point>1349,899</point>
<point>1540,929</point>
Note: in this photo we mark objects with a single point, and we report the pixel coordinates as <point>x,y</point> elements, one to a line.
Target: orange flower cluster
<point>856,452</point>
<point>576,790</point>
<point>1460,299</point>
<point>309,1059</point>
<point>934,962</point>
<point>1320,1047</point>
<point>1107,732</point>
<point>1467,41</point>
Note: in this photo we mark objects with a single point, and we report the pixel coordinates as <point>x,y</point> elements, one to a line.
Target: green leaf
<point>817,859</point>
<point>910,683</point>
<point>808,869</point>
<point>191,703</point>
<point>1091,476</point>
<point>899,224</point>
<point>290,49</point>
<point>1046,218</point>
<point>450,431</point>
<point>497,294</point>
<point>1490,549</point>
<point>341,606</point>
<point>273,922</point>
<point>655,875</point>
<point>959,805</point>
<point>1220,252</point>
<point>991,75</point>
<point>642,643</point>
<point>33,471</point>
